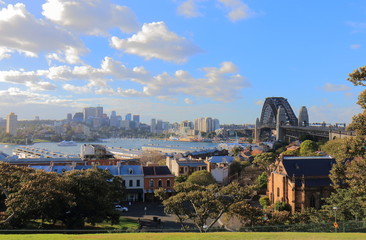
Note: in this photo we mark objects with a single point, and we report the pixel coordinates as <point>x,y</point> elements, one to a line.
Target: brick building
<point>301,182</point>
<point>156,177</point>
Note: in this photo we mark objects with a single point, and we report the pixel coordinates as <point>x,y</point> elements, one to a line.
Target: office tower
<point>153,125</point>
<point>216,124</point>
<point>69,117</point>
<point>89,112</point>
<point>128,117</point>
<point>99,112</point>
<point>78,117</point>
<point>113,114</point>
<point>11,124</point>
<point>136,118</point>
<point>36,118</point>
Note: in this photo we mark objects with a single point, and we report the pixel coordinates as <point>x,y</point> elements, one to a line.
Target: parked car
<point>120,208</point>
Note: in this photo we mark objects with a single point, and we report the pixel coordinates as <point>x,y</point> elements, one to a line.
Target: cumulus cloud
<point>189,9</point>
<point>357,26</point>
<point>259,102</point>
<point>188,101</point>
<point>156,41</point>
<point>32,80</point>
<point>218,83</point>
<point>355,46</point>
<point>16,96</point>
<point>90,17</point>
<point>331,113</point>
<point>22,32</point>
<point>328,87</point>
<point>237,9</point>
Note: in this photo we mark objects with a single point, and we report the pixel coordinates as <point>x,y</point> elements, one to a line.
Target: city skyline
<point>178,60</point>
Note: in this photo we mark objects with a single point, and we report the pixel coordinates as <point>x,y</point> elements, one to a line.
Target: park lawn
<point>40,140</point>
<point>193,236</point>
<point>124,223</point>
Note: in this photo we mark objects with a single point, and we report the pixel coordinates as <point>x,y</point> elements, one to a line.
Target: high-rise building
<point>12,124</point>
<point>136,118</point>
<point>128,117</point>
<point>99,112</point>
<point>78,117</point>
<point>93,112</point>
<point>89,112</point>
<point>153,125</point>
<point>69,117</point>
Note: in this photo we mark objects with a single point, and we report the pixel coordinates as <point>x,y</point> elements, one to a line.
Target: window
<point>168,183</point>
<point>130,171</point>
<point>312,201</point>
<point>151,183</point>
<point>137,183</point>
<point>130,183</point>
<point>160,183</point>
<point>123,183</point>
<point>278,192</point>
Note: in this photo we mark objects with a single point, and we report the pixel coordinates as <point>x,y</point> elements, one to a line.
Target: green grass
<point>125,224</point>
<point>193,236</point>
<point>40,140</point>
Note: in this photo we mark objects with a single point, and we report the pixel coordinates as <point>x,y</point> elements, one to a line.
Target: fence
<point>352,226</point>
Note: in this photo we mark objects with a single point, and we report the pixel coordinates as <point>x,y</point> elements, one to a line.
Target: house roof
<point>307,166</point>
<point>221,159</point>
<point>156,170</point>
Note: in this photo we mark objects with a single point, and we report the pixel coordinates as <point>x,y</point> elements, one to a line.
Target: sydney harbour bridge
<point>279,121</point>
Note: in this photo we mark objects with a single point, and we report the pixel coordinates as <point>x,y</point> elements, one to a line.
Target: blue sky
<point>180,59</point>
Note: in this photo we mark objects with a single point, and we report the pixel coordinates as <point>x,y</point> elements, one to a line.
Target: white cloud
<point>91,17</point>
<point>331,113</point>
<point>189,9</point>
<point>15,96</point>
<point>237,9</point>
<point>32,80</point>
<point>328,87</point>
<point>156,41</point>
<point>188,101</point>
<point>220,84</point>
<point>259,102</point>
<point>357,26</point>
<point>355,46</point>
<point>23,33</point>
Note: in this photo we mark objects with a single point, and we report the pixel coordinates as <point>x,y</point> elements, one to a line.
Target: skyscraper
<point>153,125</point>
<point>128,117</point>
<point>12,124</point>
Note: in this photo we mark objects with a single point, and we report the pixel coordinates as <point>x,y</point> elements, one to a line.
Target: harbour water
<point>128,143</point>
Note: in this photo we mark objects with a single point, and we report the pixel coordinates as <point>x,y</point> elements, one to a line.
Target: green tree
<point>264,201</point>
<point>202,177</point>
<point>264,160</point>
<point>308,148</point>
<point>203,205</point>
<point>247,214</point>
<point>43,196</point>
<point>94,192</point>
<point>262,181</point>
<point>180,179</point>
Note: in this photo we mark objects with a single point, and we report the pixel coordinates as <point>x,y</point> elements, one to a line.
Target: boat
<point>67,143</point>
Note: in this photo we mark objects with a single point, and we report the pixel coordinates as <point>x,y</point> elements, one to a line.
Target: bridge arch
<point>270,108</point>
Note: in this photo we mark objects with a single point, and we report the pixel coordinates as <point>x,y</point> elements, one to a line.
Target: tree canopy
<point>202,177</point>
<point>74,197</point>
<point>204,205</point>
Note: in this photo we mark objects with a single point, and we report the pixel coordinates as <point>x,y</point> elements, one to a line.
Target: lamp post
<point>335,218</point>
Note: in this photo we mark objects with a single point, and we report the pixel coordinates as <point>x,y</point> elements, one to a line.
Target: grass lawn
<point>193,236</point>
